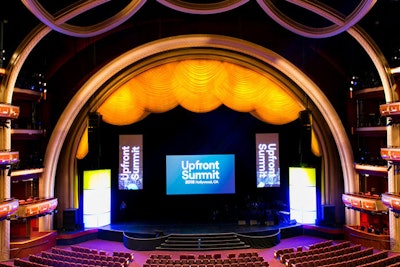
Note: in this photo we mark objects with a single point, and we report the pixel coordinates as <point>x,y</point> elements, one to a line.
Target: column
<point>5,224</point>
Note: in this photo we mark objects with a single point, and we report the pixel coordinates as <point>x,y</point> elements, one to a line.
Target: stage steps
<point>218,241</point>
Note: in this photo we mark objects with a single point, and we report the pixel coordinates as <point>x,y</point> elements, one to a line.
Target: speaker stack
<point>70,219</point>
<point>94,141</point>
<point>305,136</point>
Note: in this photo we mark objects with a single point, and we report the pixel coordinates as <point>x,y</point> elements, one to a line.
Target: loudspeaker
<point>305,136</point>
<point>94,140</point>
<point>305,118</point>
<point>70,219</point>
<point>94,121</point>
<point>328,215</point>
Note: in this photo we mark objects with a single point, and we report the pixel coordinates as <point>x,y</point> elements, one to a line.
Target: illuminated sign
<point>267,160</point>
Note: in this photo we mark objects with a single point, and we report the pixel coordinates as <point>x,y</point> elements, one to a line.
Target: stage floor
<point>192,228</point>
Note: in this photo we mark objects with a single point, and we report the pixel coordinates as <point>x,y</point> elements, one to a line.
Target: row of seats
<point>362,254</point>
<point>206,256</point>
<point>242,259</point>
<point>343,254</point>
<point>390,261</point>
<point>320,256</point>
<point>332,249</point>
<point>46,257</point>
<point>124,254</point>
<point>204,260</point>
<point>242,264</point>
<point>65,263</point>
<point>26,263</point>
<point>279,252</point>
<point>87,250</point>
<point>76,257</point>
<point>361,261</point>
<point>367,258</point>
<point>122,257</point>
<point>321,244</point>
<point>370,259</point>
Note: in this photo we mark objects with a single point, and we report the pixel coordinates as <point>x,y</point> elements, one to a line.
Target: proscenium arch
<point>106,74</point>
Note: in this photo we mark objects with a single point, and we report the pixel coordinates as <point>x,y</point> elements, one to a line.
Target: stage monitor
<point>200,174</point>
<point>267,160</point>
<point>130,174</point>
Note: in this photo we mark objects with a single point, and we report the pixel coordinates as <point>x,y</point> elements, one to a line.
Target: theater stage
<point>166,228</point>
<point>148,235</point>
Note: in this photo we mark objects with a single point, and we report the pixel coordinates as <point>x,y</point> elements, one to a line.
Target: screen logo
<point>200,174</point>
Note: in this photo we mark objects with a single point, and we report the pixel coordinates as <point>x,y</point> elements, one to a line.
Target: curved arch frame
<point>78,102</point>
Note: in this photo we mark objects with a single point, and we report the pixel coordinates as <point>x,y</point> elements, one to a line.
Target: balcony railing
<point>8,208</point>
<point>392,201</point>
<point>366,203</point>
<point>34,208</point>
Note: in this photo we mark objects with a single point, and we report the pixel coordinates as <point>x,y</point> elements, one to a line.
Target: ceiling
<point>331,62</point>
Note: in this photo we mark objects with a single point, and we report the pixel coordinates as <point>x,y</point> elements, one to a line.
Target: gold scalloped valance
<point>200,85</point>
